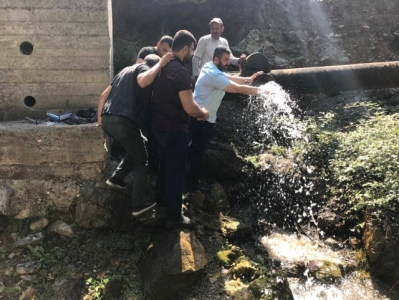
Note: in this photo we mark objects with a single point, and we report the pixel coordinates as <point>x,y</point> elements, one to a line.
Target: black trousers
<point>172,171</point>
<point>201,132</point>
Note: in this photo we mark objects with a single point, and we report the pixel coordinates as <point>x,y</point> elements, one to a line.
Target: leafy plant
<point>96,287</point>
<point>365,166</point>
<point>43,257</point>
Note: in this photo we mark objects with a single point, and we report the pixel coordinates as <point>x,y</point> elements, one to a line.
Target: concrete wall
<point>71,60</point>
<point>29,151</point>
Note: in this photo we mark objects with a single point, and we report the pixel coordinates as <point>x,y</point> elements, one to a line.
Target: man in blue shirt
<point>209,91</point>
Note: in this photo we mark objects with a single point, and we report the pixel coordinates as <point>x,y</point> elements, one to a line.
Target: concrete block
<point>56,151</point>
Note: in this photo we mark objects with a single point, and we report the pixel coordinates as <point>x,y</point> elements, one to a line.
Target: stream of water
<point>276,115</point>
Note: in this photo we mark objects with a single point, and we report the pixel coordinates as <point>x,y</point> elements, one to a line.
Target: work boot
<point>142,207</point>
<point>116,183</point>
<point>183,222</point>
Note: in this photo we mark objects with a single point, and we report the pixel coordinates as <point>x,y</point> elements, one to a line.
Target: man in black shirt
<point>123,113</point>
<point>171,107</point>
<point>163,46</point>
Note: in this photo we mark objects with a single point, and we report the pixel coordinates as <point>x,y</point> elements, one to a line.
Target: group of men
<point>154,99</point>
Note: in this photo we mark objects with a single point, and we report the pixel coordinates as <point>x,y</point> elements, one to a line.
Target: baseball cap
<point>216,20</point>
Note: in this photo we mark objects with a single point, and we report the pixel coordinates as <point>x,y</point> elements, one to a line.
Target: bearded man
<point>171,107</point>
<point>209,91</point>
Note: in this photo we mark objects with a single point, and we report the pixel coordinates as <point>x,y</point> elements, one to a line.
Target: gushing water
<point>292,199</point>
<point>290,248</point>
<point>277,113</point>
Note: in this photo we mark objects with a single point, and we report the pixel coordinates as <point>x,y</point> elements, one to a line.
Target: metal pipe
<point>332,79</point>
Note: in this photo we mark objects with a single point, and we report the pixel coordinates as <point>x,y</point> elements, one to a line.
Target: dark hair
<point>151,60</point>
<point>182,38</point>
<point>219,50</point>
<point>166,39</point>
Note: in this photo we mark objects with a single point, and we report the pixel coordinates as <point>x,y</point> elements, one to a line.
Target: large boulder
<point>381,243</point>
<point>173,262</point>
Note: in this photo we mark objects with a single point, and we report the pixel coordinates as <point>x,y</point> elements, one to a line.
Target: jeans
<point>172,171</point>
<point>201,132</point>
<point>129,135</point>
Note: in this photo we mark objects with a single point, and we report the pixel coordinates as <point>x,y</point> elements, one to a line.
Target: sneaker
<point>199,187</point>
<point>116,183</point>
<point>183,222</point>
<point>143,207</point>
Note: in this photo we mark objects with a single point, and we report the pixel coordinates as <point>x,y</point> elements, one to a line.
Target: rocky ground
<point>63,261</point>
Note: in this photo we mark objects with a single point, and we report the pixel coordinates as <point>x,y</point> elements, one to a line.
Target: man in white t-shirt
<point>206,47</point>
<point>209,91</point>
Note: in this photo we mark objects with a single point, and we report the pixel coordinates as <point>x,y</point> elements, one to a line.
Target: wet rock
<point>238,290</point>
<point>261,287</point>
<point>113,290</point>
<point>174,261</point>
<point>28,268</point>
<point>69,289</point>
<point>334,244</point>
<point>293,269</point>
<point>234,229</point>
<point>216,200</point>
<point>38,225</point>
<point>221,162</point>
<point>61,228</point>
<point>29,294</point>
<point>227,257</point>
<point>381,243</point>
<point>244,270</point>
<point>33,239</point>
<point>322,269</point>
<point>354,243</point>
<point>329,222</point>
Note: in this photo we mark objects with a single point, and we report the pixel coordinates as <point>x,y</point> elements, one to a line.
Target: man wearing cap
<point>207,45</point>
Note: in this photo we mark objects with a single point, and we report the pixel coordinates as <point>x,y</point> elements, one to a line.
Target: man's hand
<point>252,78</point>
<point>166,58</point>
<point>206,114</point>
<point>99,120</point>
<point>241,58</point>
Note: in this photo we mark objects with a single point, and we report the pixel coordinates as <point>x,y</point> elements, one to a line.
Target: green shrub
<point>365,166</point>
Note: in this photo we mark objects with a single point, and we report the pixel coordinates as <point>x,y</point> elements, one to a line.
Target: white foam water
<point>290,248</point>
<point>276,112</point>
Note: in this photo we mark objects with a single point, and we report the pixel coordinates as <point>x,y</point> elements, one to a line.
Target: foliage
<point>254,160</point>
<point>319,142</point>
<point>96,287</point>
<point>365,166</point>
<point>278,150</point>
<point>43,257</point>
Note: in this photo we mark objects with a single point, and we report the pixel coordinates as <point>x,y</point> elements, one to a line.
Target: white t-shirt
<point>209,89</point>
<point>204,52</point>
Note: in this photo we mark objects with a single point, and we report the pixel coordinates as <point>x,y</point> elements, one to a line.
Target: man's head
<point>216,26</point>
<point>164,45</point>
<point>151,60</point>
<point>221,57</point>
<point>184,45</point>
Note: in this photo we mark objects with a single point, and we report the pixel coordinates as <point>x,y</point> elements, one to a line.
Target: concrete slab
<point>48,151</point>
